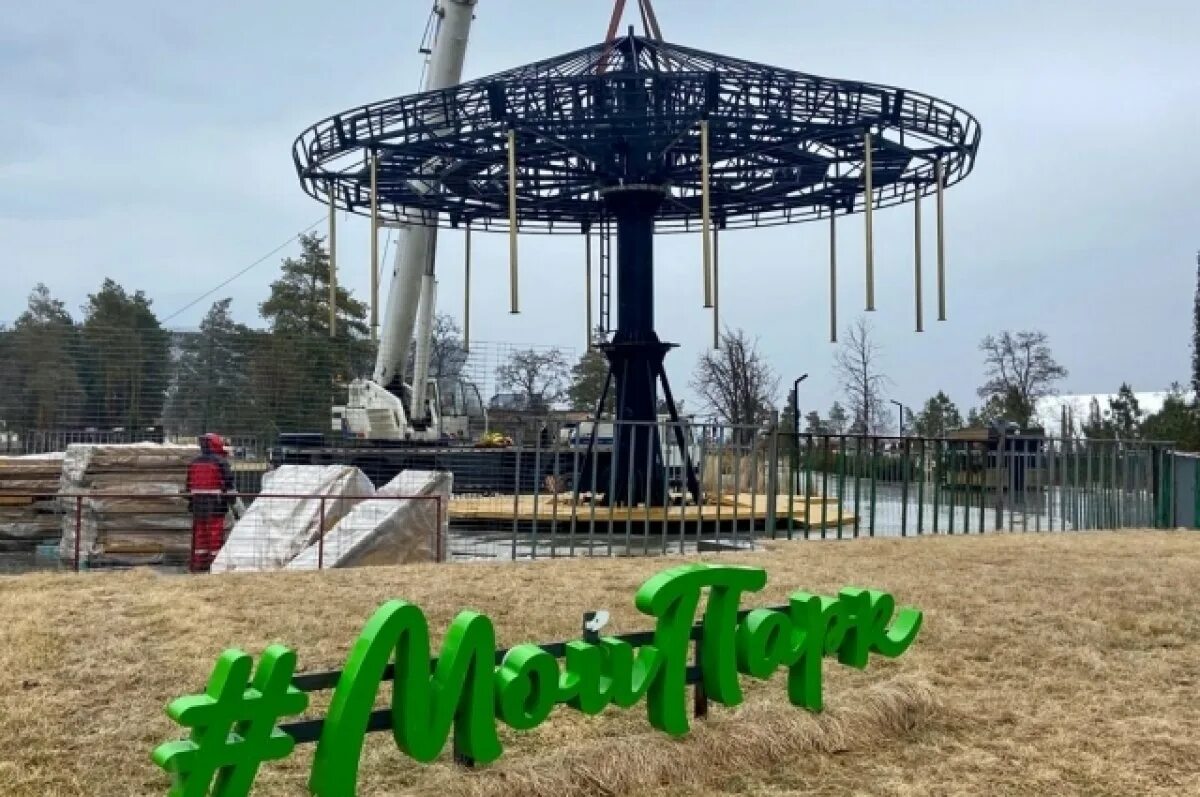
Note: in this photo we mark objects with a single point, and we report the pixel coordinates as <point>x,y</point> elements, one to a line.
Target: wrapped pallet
<point>274,530</point>
<point>401,524</point>
<point>132,509</point>
<point>28,507</point>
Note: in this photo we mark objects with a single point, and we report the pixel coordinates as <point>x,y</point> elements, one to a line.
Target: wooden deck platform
<point>743,508</point>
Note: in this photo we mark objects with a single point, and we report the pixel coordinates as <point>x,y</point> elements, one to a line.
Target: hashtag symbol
<point>233,725</point>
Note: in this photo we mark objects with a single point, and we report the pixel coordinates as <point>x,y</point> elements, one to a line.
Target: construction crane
<point>386,407</point>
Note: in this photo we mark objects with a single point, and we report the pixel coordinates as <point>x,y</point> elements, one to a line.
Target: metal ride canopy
<point>784,146</point>
<point>655,137</point>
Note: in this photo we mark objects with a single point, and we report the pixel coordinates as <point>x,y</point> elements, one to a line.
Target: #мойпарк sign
<point>471,686</point>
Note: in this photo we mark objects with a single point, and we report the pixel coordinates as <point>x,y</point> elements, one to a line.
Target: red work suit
<point>210,495</point>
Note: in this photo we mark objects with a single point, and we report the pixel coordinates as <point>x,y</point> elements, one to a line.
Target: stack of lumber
<point>28,509</point>
<point>133,510</point>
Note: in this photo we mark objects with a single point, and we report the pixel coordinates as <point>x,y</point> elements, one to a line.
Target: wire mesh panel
<point>551,492</point>
<point>90,384</point>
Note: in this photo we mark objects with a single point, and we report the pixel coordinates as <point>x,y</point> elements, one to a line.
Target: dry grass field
<point>1047,665</point>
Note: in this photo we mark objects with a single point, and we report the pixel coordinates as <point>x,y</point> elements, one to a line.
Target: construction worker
<point>210,497</point>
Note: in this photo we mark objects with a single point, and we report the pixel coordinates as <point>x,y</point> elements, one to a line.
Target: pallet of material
<point>130,502</point>
<point>28,508</point>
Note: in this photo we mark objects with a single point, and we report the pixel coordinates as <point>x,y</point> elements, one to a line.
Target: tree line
<point>1020,372</point>
<point>117,367</point>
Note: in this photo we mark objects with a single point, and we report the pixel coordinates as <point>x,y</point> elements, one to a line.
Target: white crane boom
<point>415,248</point>
<point>413,273</point>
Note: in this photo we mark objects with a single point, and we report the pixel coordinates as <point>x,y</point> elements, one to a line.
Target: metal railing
<point>681,488</point>
<point>551,497</point>
<point>101,531</point>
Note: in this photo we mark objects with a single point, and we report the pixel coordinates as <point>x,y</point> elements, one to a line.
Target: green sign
<point>464,694</point>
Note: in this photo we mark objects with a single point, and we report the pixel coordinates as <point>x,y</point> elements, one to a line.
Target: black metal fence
<point>571,490</point>
<point>764,483</point>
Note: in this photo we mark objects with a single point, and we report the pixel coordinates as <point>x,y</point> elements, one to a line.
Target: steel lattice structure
<point>646,137</point>
<point>784,146</point>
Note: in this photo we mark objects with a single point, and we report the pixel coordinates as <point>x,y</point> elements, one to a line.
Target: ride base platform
<point>744,511</point>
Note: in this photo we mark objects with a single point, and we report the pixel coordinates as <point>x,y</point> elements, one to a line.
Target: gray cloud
<point>151,142</point>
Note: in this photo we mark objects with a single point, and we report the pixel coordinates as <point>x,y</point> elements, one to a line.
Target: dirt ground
<point>1048,664</point>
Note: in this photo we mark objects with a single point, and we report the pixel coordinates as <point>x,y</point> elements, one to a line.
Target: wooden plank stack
<point>28,509</point>
<point>133,510</point>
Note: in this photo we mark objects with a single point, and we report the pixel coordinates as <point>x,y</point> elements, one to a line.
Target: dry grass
<point>1047,665</point>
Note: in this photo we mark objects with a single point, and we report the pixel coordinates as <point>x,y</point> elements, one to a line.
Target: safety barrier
<point>567,492</point>
<point>94,531</point>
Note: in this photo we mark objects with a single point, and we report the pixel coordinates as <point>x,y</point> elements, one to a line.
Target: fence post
<point>773,473</point>
<point>808,447</point>
<point>1003,480</point>
<point>79,528</point>
<point>439,554</point>
<point>517,495</point>
<point>874,477</point>
<point>321,537</point>
<point>699,694</point>
<point>921,487</point>
<point>935,484</point>
<point>858,459</point>
<point>904,474</point>
<point>825,485</point>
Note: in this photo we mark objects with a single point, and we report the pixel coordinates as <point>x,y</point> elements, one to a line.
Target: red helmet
<point>213,444</point>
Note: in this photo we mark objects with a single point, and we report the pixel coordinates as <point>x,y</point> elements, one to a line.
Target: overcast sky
<point>150,142</point>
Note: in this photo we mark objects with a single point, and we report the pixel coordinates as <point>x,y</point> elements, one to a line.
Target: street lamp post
<point>796,427</point>
<point>902,408</point>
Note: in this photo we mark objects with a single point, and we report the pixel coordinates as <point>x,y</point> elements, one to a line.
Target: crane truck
<point>388,423</point>
<point>385,407</point>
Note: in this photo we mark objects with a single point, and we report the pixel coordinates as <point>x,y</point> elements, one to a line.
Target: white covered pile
<point>396,526</point>
<point>134,510</point>
<point>274,530</point>
<point>28,508</point>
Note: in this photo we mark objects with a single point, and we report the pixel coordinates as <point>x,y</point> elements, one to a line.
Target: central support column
<point>635,473</point>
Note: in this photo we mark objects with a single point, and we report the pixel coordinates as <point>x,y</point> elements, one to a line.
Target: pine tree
<point>1098,425</point>
<point>1125,414</point>
<point>937,418</point>
<point>298,371</point>
<point>126,363</point>
<point>1196,335</point>
<point>1175,423</point>
<point>299,300</point>
<point>42,389</point>
<point>587,379</point>
<point>837,420</point>
<point>210,391</point>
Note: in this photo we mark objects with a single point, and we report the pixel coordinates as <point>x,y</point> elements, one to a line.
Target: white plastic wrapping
<point>274,530</point>
<point>395,527</point>
<point>134,511</point>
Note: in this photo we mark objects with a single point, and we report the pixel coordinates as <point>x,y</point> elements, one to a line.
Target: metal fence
<point>572,490</point>
<point>915,486</point>
<point>110,531</point>
<point>763,483</point>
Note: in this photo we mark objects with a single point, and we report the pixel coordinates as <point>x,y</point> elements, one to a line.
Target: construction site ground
<point>1047,664</point>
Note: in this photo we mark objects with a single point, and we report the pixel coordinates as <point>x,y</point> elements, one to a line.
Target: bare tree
<point>447,357</point>
<point>1020,371</point>
<point>539,378</point>
<point>857,367</point>
<point>736,383</point>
